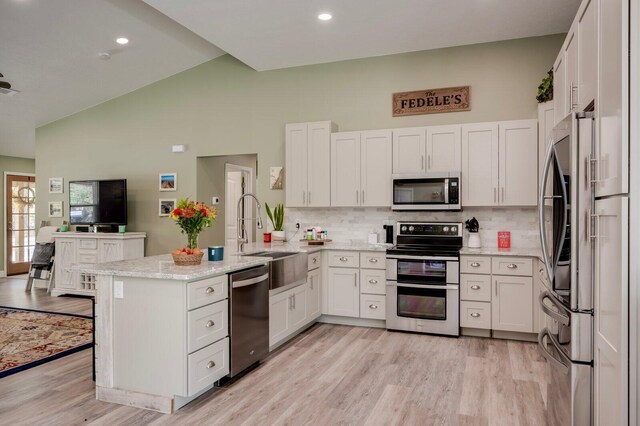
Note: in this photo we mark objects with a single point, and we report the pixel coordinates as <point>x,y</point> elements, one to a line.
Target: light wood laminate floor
<point>329,375</point>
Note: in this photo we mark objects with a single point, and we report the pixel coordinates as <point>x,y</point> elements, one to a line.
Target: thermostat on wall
<point>215,201</point>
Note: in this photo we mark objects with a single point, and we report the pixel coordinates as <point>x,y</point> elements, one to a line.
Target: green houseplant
<point>276,216</point>
<point>545,89</point>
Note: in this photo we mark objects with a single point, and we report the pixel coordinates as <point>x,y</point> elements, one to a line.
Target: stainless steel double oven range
<point>423,276</point>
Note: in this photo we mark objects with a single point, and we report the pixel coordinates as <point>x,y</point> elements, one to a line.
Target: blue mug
<point>216,253</point>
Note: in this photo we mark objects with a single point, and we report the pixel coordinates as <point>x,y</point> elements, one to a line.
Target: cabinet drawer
<point>207,325</point>
<point>88,243</point>
<point>522,266</point>
<point>87,258</point>
<point>475,264</point>
<point>207,365</point>
<point>475,314</point>
<point>372,306</point>
<point>205,292</point>
<point>475,287</point>
<point>373,260</point>
<point>373,281</point>
<point>347,259</point>
<point>314,261</point>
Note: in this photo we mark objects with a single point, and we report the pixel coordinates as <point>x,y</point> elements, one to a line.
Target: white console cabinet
<point>86,248</point>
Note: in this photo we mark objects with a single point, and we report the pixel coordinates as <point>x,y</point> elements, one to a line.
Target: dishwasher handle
<point>250,281</point>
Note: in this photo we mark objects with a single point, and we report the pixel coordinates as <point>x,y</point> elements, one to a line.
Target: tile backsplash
<point>346,224</point>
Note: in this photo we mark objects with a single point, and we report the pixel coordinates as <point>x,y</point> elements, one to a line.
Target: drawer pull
<point>373,281</point>
<point>343,259</point>
<point>475,314</point>
<point>475,265</point>
<point>475,287</point>
<point>211,364</point>
<point>373,260</point>
<point>372,306</point>
<point>210,324</point>
<point>209,290</point>
<point>512,266</point>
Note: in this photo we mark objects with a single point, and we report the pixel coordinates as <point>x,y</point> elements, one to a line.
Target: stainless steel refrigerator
<point>566,208</point>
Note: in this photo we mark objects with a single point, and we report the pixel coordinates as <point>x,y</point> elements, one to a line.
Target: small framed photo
<point>168,181</point>
<point>166,206</point>
<point>55,208</point>
<point>276,178</point>
<point>56,185</point>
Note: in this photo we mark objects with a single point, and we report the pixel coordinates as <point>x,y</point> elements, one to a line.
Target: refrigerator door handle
<point>565,204</point>
<point>564,368</point>
<point>543,226</point>
<point>562,319</point>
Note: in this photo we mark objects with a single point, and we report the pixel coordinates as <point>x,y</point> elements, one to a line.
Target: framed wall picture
<point>165,206</point>
<point>276,178</point>
<point>56,185</point>
<point>55,208</point>
<point>168,182</point>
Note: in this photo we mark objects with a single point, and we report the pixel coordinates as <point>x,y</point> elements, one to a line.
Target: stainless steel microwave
<point>426,191</point>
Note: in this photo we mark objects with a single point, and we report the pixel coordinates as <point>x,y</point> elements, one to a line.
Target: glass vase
<point>192,241</point>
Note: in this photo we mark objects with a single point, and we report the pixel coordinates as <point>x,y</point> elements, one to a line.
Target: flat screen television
<point>98,202</point>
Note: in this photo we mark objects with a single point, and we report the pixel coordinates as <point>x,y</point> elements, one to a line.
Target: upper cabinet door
<point>571,69</point>
<point>409,150</point>
<point>480,164</point>
<point>319,164</point>
<point>296,164</point>
<point>612,139</point>
<point>444,148</point>
<point>345,169</point>
<point>518,163</point>
<point>588,53</point>
<point>559,89</point>
<point>375,167</point>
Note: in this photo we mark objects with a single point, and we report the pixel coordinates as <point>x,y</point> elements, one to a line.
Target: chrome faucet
<point>242,239</point>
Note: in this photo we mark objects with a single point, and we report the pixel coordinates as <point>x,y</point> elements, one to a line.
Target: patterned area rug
<point>29,338</point>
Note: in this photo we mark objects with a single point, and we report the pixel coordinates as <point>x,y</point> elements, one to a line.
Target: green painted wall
<point>14,165</point>
<point>223,107</point>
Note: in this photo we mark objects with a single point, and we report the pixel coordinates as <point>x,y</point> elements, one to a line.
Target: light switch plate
<point>118,289</point>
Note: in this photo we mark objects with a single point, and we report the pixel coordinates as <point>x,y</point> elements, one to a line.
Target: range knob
<point>411,228</point>
<point>446,229</point>
<point>454,229</point>
<point>403,229</point>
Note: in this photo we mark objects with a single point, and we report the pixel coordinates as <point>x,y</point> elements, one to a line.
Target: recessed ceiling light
<point>325,16</point>
<point>122,40</point>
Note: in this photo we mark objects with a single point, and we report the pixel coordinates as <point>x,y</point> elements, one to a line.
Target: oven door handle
<point>430,287</point>
<point>406,257</point>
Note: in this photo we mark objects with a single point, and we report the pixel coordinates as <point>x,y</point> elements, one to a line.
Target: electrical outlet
<point>297,225</point>
<point>118,289</point>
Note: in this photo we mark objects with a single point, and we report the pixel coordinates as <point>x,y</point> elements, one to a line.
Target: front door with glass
<point>20,198</point>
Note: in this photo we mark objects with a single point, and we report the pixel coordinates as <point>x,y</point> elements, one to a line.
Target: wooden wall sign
<point>431,101</point>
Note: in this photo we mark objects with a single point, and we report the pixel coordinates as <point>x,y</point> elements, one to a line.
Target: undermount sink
<point>287,268</point>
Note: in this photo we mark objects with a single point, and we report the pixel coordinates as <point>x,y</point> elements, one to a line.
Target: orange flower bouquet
<point>192,217</point>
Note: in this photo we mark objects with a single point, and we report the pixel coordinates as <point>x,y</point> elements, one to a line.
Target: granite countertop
<point>300,246</point>
<point>162,267</point>
<point>495,251</point>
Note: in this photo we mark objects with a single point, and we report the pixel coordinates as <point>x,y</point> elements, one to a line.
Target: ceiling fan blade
<point>5,85</point>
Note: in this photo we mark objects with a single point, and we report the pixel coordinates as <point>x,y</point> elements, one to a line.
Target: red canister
<point>267,237</point>
<point>504,239</point>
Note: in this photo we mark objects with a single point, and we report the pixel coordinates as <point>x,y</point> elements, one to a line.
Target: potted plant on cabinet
<point>277,220</point>
<point>192,217</point>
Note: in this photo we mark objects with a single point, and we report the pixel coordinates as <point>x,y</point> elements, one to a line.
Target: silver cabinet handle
<point>293,298</point>
<point>475,314</point>
<point>309,197</point>
<point>503,194</point>
<point>363,196</point>
<point>210,324</point>
<point>494,195</point>
<point>311,284</point>
<point>512,266</point>
<point>209,290</point>
<point>373,260</point>
<point>211,364</point>
<point>496,282</point>
<point>373,281</point>
<point>475,287</point>
<point>429,161</point>
<point>422,161</point>
<point>344,259</point>
<point>372,306</point>
<point>475,265</point>
<point>357,197</point>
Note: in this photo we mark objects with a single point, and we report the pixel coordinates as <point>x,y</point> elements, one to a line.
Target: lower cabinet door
<point>343,292</point>
<point>298,316</point>
<point>512,303</point>
<point>372,306</point>
<point>279,312</point>
<point>207,365</point>
<point>313,294</point>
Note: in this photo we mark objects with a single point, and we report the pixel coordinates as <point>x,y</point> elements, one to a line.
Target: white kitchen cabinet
<point>559,89</point>
<point>571,69</point>
<point>409,150</point>
<point>518,168</point>
<point>587,53</point>
<point>345,169</point>
<point>444,148</point>
<point>314,283</point>
<point>611,313</point>
<point>375,168</point>
<point>545,127</point>
<point>512,303</point>
<point>299,312</point>
<point>480,170</point>
<point>343,293</point>
<point>279,322</point>
<point>307,147</point>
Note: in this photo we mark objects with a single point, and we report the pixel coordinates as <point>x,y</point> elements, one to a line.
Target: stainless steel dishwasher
<point>248,318</point>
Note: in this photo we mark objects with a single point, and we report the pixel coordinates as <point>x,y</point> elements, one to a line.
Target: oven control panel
<point>431,229</point>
